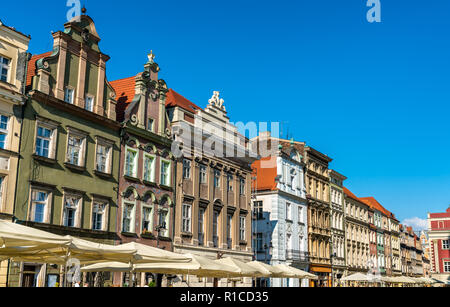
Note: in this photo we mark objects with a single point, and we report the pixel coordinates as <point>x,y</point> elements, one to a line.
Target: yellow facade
<point>13,56</point>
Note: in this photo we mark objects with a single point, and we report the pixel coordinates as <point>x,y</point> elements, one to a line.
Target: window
<point>242,186</point>
<point>103,157</point>
<point>43,142</point>
<point>68,95</point>
<point>216,178</point>
<point>163,222</point>
<point>288,211</point>
<point>447,266</point>
<point>186,169</point>
<point>258,210</point>
<point>201,235</point>
<point>203,176</point>
<point>98,216</point>
<point>259,242</point>
<point>75,149</point>
<point>242,228</point>
<point>149,168</point>
<point>229,230</point>
<point>131,162</point>
<point>146,219</point>
<point>3,131</point>
<point>71,209</point>
<point>300,214</point>
<point>150,124</point>
<point>4,69</point>
<point>216,228</point>
<point>89,103</point>
<point>39,201</point>
<point>128,218</point>
<point>229,183</point>
<point>186,218</point>
<point>445,244</point>
<point>165,173</point>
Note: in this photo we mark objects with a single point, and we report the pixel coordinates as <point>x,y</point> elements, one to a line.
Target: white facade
<point>281,230</point>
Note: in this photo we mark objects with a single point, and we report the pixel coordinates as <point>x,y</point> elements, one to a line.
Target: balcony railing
<point>297,255</point>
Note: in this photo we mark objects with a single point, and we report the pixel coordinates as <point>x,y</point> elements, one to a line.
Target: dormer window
<point>4,69</point>
<point>89,105</point>
<point>68,95</point>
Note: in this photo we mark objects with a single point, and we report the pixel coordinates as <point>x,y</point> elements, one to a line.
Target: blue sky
<point>375,97</point>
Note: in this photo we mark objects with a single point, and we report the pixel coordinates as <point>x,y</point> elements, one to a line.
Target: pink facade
<point>439,236</point>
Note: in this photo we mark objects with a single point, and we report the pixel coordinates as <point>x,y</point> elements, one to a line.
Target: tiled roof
<point>176,100</point>
<point>31,71</point>
<point>374,204</point>
<point>125,90</point>
<point>350,194</point>
<point>265,176</point>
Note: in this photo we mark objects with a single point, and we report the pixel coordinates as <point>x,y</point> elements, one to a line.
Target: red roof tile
<point>374,204</point>
<point>350,194</point>
<point>31,71</point>
<point>176,100</point>
<point>125,90</point>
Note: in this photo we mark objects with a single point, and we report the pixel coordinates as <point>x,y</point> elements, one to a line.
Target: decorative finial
<point>151,57</point>
<point>217,101</point>
<point>83,10</point>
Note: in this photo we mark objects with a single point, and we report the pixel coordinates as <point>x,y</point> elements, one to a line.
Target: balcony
<point>297,255</point>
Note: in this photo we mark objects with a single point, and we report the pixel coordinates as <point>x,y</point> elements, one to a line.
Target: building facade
<point>213,190</point>
<point>70,147</point>
<point>439,240</point>
<point>13,63</point>
<point>394,227</point>
<point>357,234</point>
<point>338,256</point>
<point>319,216</point>
<point>280,230</point>
<point>146,180</point>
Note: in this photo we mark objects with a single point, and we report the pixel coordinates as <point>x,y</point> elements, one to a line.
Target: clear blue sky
<point>375,97</point>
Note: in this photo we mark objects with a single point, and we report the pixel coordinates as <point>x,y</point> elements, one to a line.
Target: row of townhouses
<point>124,161</point>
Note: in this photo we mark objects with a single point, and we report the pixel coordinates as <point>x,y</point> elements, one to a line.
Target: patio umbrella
<point>108,267</point>
<point>402,279</point>
<point>148,254</point>
<point>199,266</point>
<point>361,278</point>
<point>18,239</point>
<point>268,269</point>
<point>240,269</point>
<point>295,273</point>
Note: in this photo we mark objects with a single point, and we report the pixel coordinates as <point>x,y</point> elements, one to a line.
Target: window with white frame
<point>229,225</point>
<point>99,216</point>
<point>445,244</point>
<point>186,169</point>
<point>300,214</point>
<point>147,218</point>
<point>216,178</point>
<point>46,140</point>
<point>128,217</point>
<point>242,186</point>
<point>288,211</point>
<point>447,266</point>
<point>75,148</point>
<point>242,228</point>
<point>4,68</point>
<point>216,228</point>
<point>149,168</point>
<point>165,172</point>
<point>4,121</point>
<point>201,226</point>
<point>186,218</point>
<point>72,209</point>
<point>131,161</point>
<point>69,95</point>
<point>104,156</point>
<point>39,206</point>
<point>89,103</point>
<point>163,222</point>
<point>203,175</point>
